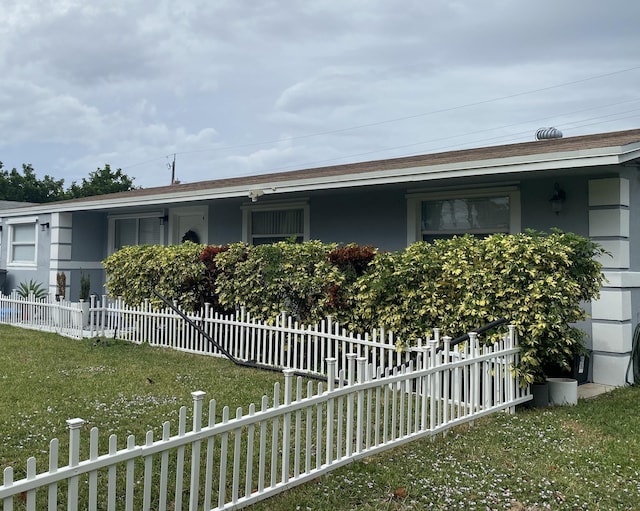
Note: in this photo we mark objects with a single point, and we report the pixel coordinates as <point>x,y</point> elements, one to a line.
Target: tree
<point>100,182</point>
<point>24,186</point>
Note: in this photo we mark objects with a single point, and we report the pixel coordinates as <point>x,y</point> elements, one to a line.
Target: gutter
<point>561,160</point>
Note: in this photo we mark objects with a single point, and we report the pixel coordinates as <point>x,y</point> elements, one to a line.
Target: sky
<point>244,87</point>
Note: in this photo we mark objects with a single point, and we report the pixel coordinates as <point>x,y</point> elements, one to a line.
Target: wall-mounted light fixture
<point>164,219</point>
<point>44,226</point>
<point>254,194</point>
<point>557,199</point>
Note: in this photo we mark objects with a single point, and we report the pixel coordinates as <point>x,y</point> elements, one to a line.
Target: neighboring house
<point>594,179</point>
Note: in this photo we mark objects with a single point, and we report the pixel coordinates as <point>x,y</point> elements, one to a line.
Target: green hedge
<point>537,281</point>
<point>175,271</point>
<point>269,279</point>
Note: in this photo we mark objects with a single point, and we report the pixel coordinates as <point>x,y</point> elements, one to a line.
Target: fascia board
<point>429,173</point>
<point>107,204</point>
<point>516,164</point>
<point>632,152</point>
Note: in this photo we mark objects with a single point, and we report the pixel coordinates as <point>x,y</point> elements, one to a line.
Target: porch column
<point>60,251</point>
<point>611,325</point>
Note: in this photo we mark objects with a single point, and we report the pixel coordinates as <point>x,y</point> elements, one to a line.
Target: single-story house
<point>589,185</point>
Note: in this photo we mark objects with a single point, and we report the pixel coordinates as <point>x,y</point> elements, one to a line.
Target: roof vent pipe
<point>548,133</point>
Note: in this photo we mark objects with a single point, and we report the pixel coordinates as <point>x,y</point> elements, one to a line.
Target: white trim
<point>249,208</point>
<point>275,205</point>
<point>175,213</point>
<point>462,192</point>
<point>111,219</point>
<point>618,253</point>
<point>61,221</point>
<point>145,214</point>
<point>623,279</point>
<point>611,191</point>
<point>60,252</point>
<point>80,265</point>
<point>612,305</point>
<point>415,199</point>
<point>609,222</point>
<point>22,220</point>
<point>31,221</point>
<point>21,266</point>
<point>611,337</point>
<point>610,368</point>
<point>613,155</point>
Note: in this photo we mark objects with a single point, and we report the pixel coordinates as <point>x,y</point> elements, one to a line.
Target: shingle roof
<point>9,204</point>
<point>569,144</point>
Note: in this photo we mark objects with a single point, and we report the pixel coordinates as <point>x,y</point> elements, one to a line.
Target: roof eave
<point>511,165</point>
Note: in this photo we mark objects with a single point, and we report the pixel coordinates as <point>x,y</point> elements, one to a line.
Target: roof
<point>10,204</point>
<point>587,150</point>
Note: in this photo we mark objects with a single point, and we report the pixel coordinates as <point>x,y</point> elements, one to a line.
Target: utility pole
<point>173,170</point>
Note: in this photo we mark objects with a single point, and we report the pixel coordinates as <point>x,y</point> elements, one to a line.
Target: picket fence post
<point>74,426</point>
<point>446,340</point>
<point>198,397</point>
<point>286,423</point>
<point>331,382</point>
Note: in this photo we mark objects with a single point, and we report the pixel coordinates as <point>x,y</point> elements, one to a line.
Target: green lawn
<point>583,457</point>
<point>119,387</point>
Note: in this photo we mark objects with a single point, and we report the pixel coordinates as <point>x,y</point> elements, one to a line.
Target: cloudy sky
<point>239,87</point>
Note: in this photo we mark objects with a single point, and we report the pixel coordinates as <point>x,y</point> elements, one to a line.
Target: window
<point>23,242</point>
<point>138,230</point>
<point>444,215</point>
<point>273,223</point>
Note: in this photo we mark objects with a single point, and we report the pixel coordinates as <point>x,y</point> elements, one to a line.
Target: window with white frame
<point>23,242</point>
<point>135,230</point>
<point>272,223</point>
<point>448,214</point>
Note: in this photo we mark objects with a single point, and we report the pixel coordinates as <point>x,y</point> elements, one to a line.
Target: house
<point>589,185</point>
<point>5,204</point>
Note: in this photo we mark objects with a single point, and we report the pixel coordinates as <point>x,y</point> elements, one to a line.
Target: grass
<point>585,457</point>
<point>570,458</point>
<point>119,387</point>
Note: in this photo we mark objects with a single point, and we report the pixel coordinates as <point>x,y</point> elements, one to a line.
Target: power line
<point>423,114</point>
<point>505,138</point>
<point>392,120</point>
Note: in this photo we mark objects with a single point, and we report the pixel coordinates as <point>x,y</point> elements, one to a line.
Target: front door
<point>188,224</point>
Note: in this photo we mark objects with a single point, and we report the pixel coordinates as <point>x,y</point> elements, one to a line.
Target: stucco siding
<point>632,175</point>
<point>536,208</point>
<point>89,232</point>
<point>368,216</point>
<point>225,221</point>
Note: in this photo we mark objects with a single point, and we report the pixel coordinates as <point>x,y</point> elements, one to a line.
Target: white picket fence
<point>47,314</point>
<point>283,344</point>
<point>230,462</point>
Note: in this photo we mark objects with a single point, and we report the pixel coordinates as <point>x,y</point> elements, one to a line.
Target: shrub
<point>212,270</point>
<point>85,287</point>
<point>31,289</point>
<point>353,261</point>
<point>536,281</point>
<point>175,272</point>
<point>267,279</point>
<point>61,285</point>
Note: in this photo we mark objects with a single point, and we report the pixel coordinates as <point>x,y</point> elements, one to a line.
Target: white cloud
<point>128,82</point>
